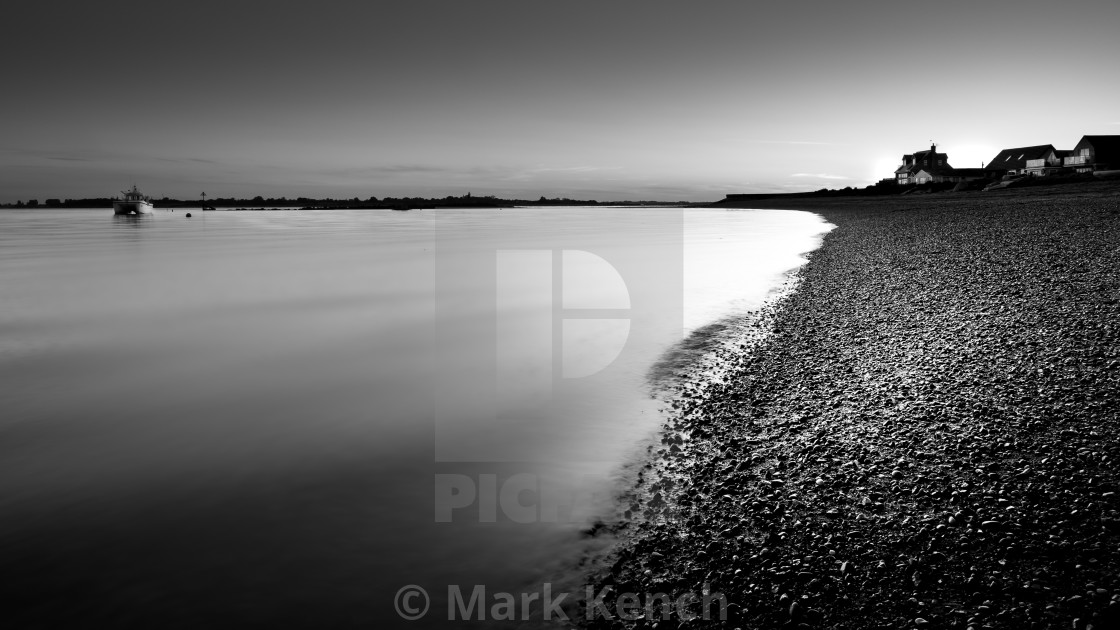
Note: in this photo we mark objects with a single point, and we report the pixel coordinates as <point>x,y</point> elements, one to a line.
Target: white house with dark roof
<point>931,167</point>
<point>924,167</point>
<point>1014,161</point>
<point>1047,164</point>
<point>1094,153</point>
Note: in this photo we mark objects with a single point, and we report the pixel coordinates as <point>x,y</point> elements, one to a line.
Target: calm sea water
<point>240,418</point>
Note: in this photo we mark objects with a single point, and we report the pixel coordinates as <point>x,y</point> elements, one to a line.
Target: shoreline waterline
<point>704,359</point>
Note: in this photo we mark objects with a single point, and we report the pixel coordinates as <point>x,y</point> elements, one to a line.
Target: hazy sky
<point>606,99</point>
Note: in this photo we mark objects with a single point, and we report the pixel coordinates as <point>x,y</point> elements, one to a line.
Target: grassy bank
<point>929,438</point>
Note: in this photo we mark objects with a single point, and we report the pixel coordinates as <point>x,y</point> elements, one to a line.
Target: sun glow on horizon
<point>969,155</point>
<point>883,167</point>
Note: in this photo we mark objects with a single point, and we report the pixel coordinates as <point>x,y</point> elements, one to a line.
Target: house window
<point>1085,152</point>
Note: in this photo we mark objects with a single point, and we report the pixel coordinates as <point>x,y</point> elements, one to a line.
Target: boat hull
<point>132,207</point>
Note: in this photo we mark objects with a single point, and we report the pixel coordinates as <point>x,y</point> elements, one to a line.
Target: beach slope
<point>928,438</point>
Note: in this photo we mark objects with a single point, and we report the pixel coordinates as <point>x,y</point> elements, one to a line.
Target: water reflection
<point>132,220</point>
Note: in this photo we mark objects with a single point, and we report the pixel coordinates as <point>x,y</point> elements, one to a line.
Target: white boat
<point>132,202</point>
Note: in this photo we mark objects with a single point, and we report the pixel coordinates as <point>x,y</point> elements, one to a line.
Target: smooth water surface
<point>234,418</point>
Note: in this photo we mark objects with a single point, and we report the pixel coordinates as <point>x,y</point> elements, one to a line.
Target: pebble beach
<point>927,436</point>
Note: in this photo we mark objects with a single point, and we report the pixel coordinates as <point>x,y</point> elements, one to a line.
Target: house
<point>1094,153</point>
<point>924,167</point>
<point>1014,161</point>
<point>1047,164</point>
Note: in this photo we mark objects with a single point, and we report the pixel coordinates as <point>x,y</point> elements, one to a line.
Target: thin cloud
<point>732,188</point>
<point>820,175</point>
<point>181,160</point>
<point>537,172</point>
<point>408,168</point>
<point>794,142</point>
<point>679,190</point>
<point>386,169</point>
<point>573,169</point>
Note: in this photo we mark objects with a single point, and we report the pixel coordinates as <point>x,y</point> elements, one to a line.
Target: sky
<point>607,100</point>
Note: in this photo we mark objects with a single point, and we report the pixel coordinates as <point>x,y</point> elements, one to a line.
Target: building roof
<point>1012,159</point>
<point>1107,148</point>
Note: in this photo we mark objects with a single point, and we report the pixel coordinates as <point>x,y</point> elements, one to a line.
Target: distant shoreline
<point>825,199</point>
<point>304,203</point>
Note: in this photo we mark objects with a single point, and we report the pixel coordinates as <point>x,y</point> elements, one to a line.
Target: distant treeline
<point>307,203</point>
